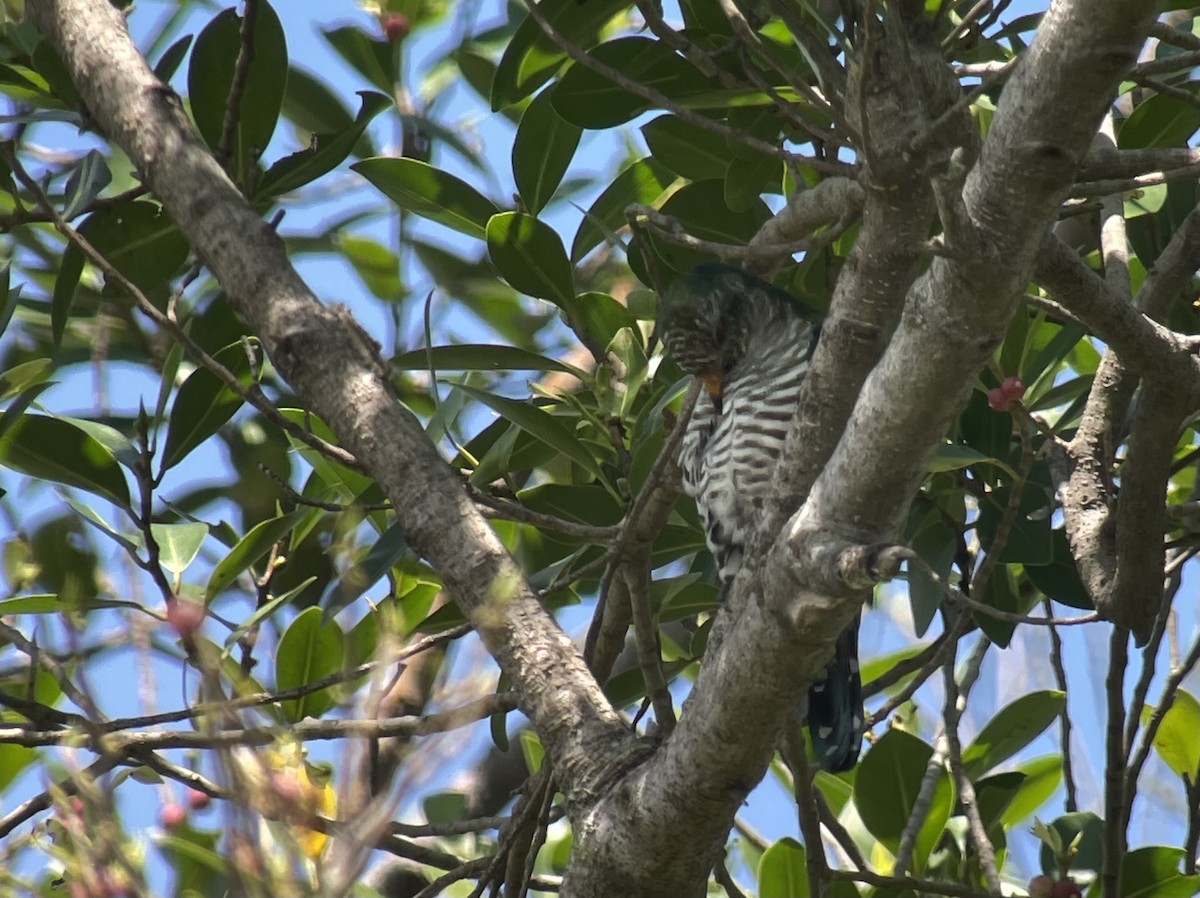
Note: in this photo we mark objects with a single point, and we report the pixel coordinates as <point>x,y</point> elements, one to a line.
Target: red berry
<point>396,26</point>
<point>198,800</point>
<point>172,815</point>
<point>1013,387</point>
<point>998,400</point>
<point>185,617</point>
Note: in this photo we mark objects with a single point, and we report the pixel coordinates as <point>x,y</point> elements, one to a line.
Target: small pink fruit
<point>185,617</point>
<point>998,400</point>
<point>396,26</point>
<point>1013,387</point>
<point>198,800</point>
<point>172,815</point>
<point>1066,888</point>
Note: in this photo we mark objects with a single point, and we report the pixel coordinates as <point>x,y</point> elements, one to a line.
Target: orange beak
<point>715,385</point>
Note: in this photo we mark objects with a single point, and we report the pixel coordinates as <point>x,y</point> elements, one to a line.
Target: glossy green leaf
<point>249,549</point>
<point>1154,872</point>
<point>590,100</point>
<point>686,149</point>
<point>358,578</point>
<point>87,181</point>
<point>1003,594</point>
<point>953,457</point>
<point>210,80</point>
<point>309,649</point>
<point>531,56</point>
<point>886,784</point>
<point>1042,778</point>
<point>139,239</point>
<point>1159,121</point>
<point>1089,829</point>
<point>645,181</point>
<point>168,64</point>
<point>1060,580</point>
<point>70,269</point>
<point>131,542</point>
<point>203,405</point>
<point>1011,729</point>
<point>479,357</point>
<point>57,450</point>
<point>539,424</point>
<point>1177,741</point>
<point>542,151</point>
<point>530,256</point>
<point>371,57</point>
<point>782,871</point>
<point>597,318</point>
<point>178,544</point>
<point>327,151</point>
<point>430,192</point>
<point>19,377</point>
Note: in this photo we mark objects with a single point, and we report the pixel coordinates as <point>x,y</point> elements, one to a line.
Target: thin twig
<point>241,74</point>
<point>951,714</point>
<point>1064,717</point>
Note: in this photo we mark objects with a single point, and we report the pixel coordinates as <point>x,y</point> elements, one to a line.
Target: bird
<point>751,345</point>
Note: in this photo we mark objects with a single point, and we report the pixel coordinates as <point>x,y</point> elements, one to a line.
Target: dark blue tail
<point>835,707</point>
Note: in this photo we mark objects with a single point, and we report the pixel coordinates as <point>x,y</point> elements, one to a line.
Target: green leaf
<point>539,424</point>
<point>1154,872</point>
<point>590,100</point>
<point>308,650</point>
<point>70,269</point>
<point>531,56</point>
<point>1176,741</point>
<point>328,150</point>
<point>480,357</point>
<point>885,789</point>
<point>388,549</point>
<point>1160,121</point>
<point>420,188</point>
<point>686,149</point>
<point>178,544</point>
<point>53,449</point>
<point>249,549</point>
<point>87,181</point>
<point>542,151</point>
<point>168,64</point>
<point>645,181</point>
<point>1090,830</point>
<point>530,256</point>
<point>1042,777</point>
<point>131,542</point>
<point>19,377</point>
<point>371,57</point>
<point>139,239</point>
<point>210,79</point>
<point>1013,727</point>
<point>597,318</point>
<point>782,871</point>
<point>203,405</point>
<point>952,457</point>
